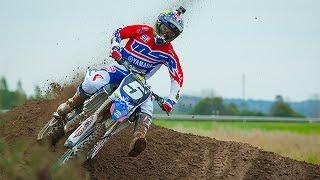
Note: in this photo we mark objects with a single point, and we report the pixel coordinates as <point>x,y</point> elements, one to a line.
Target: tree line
<point>216,106</point>
<point>11,98</point>
<point>207,106</point>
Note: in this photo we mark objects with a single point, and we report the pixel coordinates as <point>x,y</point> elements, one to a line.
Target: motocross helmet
<point>169,26</point>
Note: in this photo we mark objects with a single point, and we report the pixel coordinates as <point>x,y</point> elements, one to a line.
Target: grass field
<point>300,141</point>
<point>300,128</point>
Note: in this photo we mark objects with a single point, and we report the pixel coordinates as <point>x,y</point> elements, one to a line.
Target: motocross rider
<point>147,49</point>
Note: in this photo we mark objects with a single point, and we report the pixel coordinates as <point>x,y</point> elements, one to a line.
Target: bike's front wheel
<point>80,150</point>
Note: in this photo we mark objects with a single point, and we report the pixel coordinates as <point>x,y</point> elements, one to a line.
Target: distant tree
<point>4,93</point>
<point>218,108</point>
<point>19,88</point>
<point>279,98</point>
<point>3,84</point>
<point>9,99</point>
<point>215,105</point>
<point>37,92</point>
<point>282,109</point>
<point>203,107</point>
<point>209,106</point>
<point>19,95</point>
<point>232,109</point>
<point>247,112</point>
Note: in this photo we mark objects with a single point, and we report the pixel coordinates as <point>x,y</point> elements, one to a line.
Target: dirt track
<point>169,154</point>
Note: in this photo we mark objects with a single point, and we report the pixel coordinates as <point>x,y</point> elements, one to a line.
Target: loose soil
<point>169,154</point>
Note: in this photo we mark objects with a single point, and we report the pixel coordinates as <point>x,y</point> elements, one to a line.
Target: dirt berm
<point>169,154</point>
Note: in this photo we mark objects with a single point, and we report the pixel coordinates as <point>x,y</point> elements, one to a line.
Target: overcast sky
<point>276,44</point>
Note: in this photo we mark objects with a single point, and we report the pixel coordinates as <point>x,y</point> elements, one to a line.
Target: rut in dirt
<point>169,154</point>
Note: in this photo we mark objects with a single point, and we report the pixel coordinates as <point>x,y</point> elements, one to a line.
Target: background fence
<point>3,110</point>
<point>236,118</point>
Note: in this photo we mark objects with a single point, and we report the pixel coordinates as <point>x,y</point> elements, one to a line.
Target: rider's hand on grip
<point>166,106</point>
<point>115,53</point>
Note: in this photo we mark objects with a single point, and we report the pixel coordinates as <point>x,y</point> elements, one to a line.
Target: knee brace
<point>143,121</point>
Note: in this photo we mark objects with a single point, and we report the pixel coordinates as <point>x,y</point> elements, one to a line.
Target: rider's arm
<point>176,75</point>
<point>125,32</point>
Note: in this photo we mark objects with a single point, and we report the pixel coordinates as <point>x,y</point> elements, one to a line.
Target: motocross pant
<point>96,79</point>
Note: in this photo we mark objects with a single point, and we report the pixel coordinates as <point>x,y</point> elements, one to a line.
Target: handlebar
<point>160,101</point>
<point>130,68</point>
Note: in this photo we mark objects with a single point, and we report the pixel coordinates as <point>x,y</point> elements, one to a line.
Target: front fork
<point>113,128</point>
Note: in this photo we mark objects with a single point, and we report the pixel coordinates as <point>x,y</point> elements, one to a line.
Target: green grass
<point>313,158</point>
<point>300,128</point>
<point>20,161</point>
<point>295,140</point>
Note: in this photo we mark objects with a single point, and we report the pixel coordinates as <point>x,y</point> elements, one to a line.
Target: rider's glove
<point>167,105</point>
<point>115,53</point>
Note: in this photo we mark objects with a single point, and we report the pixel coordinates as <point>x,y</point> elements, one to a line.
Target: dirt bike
<point>106,113</point>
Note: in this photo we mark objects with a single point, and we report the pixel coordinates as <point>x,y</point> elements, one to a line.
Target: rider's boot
<point>139,142</point>
<point>75,101</point>
<point>60,115</point>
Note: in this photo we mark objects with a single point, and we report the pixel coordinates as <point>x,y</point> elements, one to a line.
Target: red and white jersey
<point>141,51</point>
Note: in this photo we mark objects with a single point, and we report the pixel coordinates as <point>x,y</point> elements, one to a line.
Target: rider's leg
<point>142,124</point>
<point>93,81</point>
<point>74,102</point>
